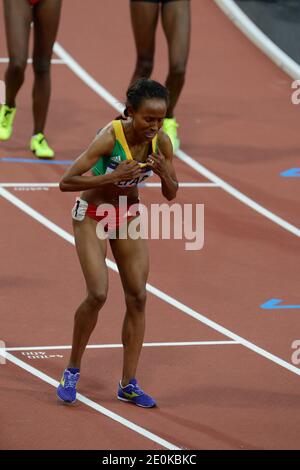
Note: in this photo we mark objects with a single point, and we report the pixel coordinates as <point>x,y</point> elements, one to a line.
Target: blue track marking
<point>291,173</point>
<point>33,160</point>
<point>274,304</point>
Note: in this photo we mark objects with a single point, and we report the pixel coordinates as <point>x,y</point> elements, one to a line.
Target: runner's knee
<point>178,69</point>
<point>144,66</point>
<point>136,299</point>
<point>41,65</point>
<point>97,298</point>
<point>17,66</point>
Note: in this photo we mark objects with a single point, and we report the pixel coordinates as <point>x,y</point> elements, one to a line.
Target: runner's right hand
<point>127,170</point>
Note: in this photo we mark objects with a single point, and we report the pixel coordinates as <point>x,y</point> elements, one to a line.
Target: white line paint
<point>153,290</point>
<point>263,42</point>
<point>114,416</point>
<point>87,78</point>
<point>36,215</point>
<point>237,194</point>
<point>29,185</point>
<point>112,346</point>
<point>110,99</point>
<point>181,185</point>
<point>146,185</point>
<point>5,60</point>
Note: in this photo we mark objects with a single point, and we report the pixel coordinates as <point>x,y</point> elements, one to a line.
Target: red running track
<point>235,386</point>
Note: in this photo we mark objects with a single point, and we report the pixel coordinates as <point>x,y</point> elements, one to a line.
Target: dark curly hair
<point>144,89</point>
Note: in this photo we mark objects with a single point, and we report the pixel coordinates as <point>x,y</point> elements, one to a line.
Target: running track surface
<point>237,387</point>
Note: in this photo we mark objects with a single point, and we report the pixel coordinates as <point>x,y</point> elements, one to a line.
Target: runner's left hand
<point>157,162</point>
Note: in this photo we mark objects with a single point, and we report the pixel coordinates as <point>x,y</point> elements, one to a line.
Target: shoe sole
<point>66,402</point>
<point>42,158</point>
<point>6,138</point>
<point>136,404</point>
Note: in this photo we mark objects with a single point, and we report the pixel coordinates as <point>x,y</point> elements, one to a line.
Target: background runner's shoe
<point>170,127</point>
<point>40,147</point>
<point>7,116</point>
<point>134,394</point>
<point>66,390</point>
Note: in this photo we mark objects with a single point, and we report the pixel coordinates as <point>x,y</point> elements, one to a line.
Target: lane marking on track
<point>260,39</point>
<point>146,185</point>
<point>153,290</point>
<point>109,346</point>
<point>291,173</point>
<point>272,304</point>
<point>5,60</point>
<point>239,195</point>
<point>35,161</point>
<point>100,409</point>
<point>110,99</point>
<point>29,185</point>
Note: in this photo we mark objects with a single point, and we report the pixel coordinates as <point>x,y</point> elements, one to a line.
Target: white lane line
<point>110,414</point>
<point>237,194</point>
<point>36,215</point>
<point>5,60</point>
<point>101,91</point>
<point>87,78</point>
<point>111,346</point>
<point>263,42</point>
<point>146,185</point>
<point>181,185</point>
<point>29,185</point>
<point>153,290</point>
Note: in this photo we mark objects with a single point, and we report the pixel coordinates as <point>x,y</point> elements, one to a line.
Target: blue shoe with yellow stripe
<point>66,390</point>
<point>133,394</point>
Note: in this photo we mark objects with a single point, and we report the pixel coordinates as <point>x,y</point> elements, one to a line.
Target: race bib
<point>145,173</point>
<point>79,210</point>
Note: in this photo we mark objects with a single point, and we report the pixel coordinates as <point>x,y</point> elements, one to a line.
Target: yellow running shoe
<point>170,127</point>
<point>40,147</point>
<point>7,116</point>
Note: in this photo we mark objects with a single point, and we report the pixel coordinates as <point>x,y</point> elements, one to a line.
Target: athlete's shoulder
<point>164,143</point>
<point>104,140</point>
<point>107,131</point>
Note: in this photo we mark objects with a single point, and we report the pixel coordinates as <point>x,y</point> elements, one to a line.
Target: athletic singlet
<point>121,152</point>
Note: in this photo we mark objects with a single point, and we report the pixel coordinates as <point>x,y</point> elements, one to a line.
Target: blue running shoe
<point>66,390</point>
<point>134,394</point>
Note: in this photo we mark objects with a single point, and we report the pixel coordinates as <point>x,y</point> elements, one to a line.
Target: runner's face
<point>149,117</point>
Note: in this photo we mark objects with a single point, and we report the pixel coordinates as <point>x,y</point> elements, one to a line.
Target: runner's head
<point>146,104</point>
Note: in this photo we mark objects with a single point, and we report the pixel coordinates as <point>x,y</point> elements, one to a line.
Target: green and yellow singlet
<point>107,164</point>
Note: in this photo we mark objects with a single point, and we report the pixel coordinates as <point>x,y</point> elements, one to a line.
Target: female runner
<point>18,15</point>
<point>124,153</point>
<point>176,22</point>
